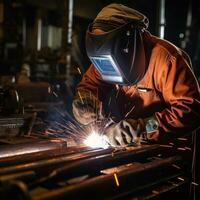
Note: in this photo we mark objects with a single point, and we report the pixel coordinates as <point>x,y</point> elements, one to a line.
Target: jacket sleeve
<point>179,88</point>
<point>92,84</point>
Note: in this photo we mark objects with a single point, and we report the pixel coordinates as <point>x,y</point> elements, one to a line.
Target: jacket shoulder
<point>165,58</point>
<point>166,47</point>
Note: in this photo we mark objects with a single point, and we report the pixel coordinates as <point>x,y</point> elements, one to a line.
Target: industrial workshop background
<point>47,37</point>
<point>42,58</point>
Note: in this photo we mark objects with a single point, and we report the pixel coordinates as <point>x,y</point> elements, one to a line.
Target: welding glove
<point>87,108</point>
<point>130,131</point>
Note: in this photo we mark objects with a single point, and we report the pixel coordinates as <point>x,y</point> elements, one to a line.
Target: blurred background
<point>42,42</point>
<point>42,58</point>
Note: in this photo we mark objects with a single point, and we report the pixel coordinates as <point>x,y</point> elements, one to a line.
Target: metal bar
<point>97,163</point>
<point>61,160</point>
<point>39,34</point>
<point>23,176</point>
<point>129,179</point>
<point>47,154</point>
<point>51,163</point>
<point>161,28</point>
<point>70,21</point>
<point>24,33</point>
<point>14,190</point>
<point>20,149</point>
<point>156,191</point>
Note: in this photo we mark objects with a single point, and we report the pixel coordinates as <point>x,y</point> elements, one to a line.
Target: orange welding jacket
<point>169,90</point>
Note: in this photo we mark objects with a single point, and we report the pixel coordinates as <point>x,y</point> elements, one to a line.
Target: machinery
<point>39,167</point>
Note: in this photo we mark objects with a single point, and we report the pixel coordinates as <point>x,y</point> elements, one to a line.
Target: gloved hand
<point>125,132</point>
<point>87,108</point>
<point>132,131</point>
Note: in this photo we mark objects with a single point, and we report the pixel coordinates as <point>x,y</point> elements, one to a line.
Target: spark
<point>79,71</point>
<point>155,192</point>
<point>181,149</point>
<point>193,183</point>
<point>176,166</point>
<point>181,179</point>
<point>96,140</point>
<point>80,97</point>
<point>55,94</point>
<point>163,145</point>
<point>130,111</point>
<point>183,139</point>
<point>116,179</point>
<point>49,89</point>
<point>117,94</point>
<point>64,127</point>
<point>188,148</point>
<point>109,102</point>
<point>171,182</point>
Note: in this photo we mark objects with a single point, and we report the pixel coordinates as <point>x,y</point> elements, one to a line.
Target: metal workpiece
<point>14,189</point>
<point>104,173</point>
<point>28,148</point>
<point>94,164</point>
<point>45,165</point>
<point>22,176</point>
<point>121,183</point>
<point>40,155</point>
<point>77,155</point>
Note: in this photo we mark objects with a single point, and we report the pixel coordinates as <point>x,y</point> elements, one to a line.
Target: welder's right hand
<point>86,108</point>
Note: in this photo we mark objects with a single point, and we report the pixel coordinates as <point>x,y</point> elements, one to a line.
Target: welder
<point>155,90</point>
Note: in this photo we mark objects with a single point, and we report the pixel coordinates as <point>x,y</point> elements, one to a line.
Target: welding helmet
<point>118,54</point>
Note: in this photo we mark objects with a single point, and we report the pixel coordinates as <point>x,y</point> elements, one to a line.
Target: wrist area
<point>150,124</point>
<point>151,129</point>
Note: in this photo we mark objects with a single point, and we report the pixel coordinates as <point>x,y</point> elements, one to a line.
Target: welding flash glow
<point>96,140</point>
